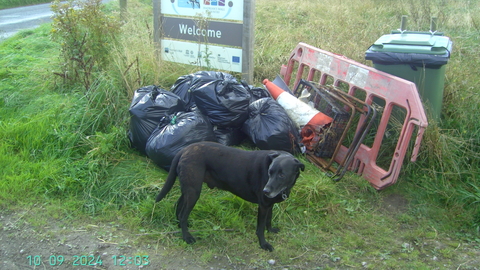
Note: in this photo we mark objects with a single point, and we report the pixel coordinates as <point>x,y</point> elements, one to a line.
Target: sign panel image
<point>223,58</point>
<point>215,9</point>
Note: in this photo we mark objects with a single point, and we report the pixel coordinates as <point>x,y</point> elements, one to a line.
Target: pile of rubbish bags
<point>207,106</point>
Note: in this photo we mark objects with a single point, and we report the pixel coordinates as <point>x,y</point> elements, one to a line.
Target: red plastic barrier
<point>394,90</point>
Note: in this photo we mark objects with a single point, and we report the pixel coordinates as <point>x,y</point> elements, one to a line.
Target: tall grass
<point>449,158</point>
<point>135,60</point>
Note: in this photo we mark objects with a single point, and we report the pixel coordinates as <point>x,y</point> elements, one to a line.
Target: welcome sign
<point>223,33</point>
<point>212,33</point>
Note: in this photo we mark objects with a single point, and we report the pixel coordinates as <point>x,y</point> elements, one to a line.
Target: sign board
<point>216,34</point>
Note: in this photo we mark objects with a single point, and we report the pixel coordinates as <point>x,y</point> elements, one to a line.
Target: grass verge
<point>20,3</point>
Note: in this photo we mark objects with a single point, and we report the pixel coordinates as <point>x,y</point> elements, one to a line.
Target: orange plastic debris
<point>301,113</point>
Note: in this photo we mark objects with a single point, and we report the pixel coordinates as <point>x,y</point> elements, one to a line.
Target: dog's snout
<point>266,190</point>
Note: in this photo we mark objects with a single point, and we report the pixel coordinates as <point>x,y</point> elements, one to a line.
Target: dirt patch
<point>394,204</point>
<point>87,247</point>
<point>109,246</point>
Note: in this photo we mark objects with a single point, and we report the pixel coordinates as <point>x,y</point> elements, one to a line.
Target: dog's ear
<point>273,155</point>
<point>300,165</point>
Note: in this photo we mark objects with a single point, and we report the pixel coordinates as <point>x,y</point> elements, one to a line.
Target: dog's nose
<point>266,190</point>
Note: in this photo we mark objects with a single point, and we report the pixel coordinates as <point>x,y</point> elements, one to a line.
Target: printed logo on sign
<point>220,3</point>
<point>213,9</point>
<point>189,4</point>
<point>195,4</point>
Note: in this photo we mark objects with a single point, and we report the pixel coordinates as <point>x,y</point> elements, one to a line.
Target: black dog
<point>262,177</point>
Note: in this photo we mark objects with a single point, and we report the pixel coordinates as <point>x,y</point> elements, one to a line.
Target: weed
<point>407,248</point>
<point>471,196</point>
<point>85,33</point>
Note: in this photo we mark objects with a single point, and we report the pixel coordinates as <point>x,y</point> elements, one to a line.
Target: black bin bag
<point>229,136</point>
<point>221,98</point>
<point>181,88</point>
<point>174,133</point>
<point>270,128</point>
<point>182,85</point>
<point>149,105</point>
<point>256,93</point>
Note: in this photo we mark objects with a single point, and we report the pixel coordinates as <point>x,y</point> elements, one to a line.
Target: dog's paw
<point>267,246</point>
<point>274,230</point>
<point>189,239</point>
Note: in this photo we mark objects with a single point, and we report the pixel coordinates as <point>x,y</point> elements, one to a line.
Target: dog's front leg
<point>263,212</point>
<point>269,222</point>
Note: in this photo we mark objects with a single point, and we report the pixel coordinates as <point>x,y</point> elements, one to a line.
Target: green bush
<point>86,35</point>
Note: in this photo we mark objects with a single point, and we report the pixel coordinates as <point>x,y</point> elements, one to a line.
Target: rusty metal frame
<point>364,125</point>
<point>367,115</point>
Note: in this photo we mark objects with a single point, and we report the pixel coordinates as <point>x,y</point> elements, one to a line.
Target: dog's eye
<point>282,175</point>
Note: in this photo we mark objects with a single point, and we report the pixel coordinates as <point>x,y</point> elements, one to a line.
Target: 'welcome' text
<point>194,31</point>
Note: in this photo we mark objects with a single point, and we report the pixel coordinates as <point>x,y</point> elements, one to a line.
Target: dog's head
<point>283,172</point>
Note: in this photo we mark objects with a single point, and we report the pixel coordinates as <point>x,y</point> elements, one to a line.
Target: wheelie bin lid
<point>410,48</point>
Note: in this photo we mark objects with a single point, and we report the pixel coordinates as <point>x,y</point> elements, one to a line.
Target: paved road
<point>13,20</point>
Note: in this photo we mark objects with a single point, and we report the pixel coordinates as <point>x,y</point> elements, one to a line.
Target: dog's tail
<point>172,175</point>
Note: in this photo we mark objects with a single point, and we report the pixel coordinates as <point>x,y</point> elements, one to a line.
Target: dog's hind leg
<point>188,199</point>
<point>263,212</point>
<point>183,211</point>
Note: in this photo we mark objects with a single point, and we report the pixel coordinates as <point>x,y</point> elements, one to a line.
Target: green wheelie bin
<point>419,57</point>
